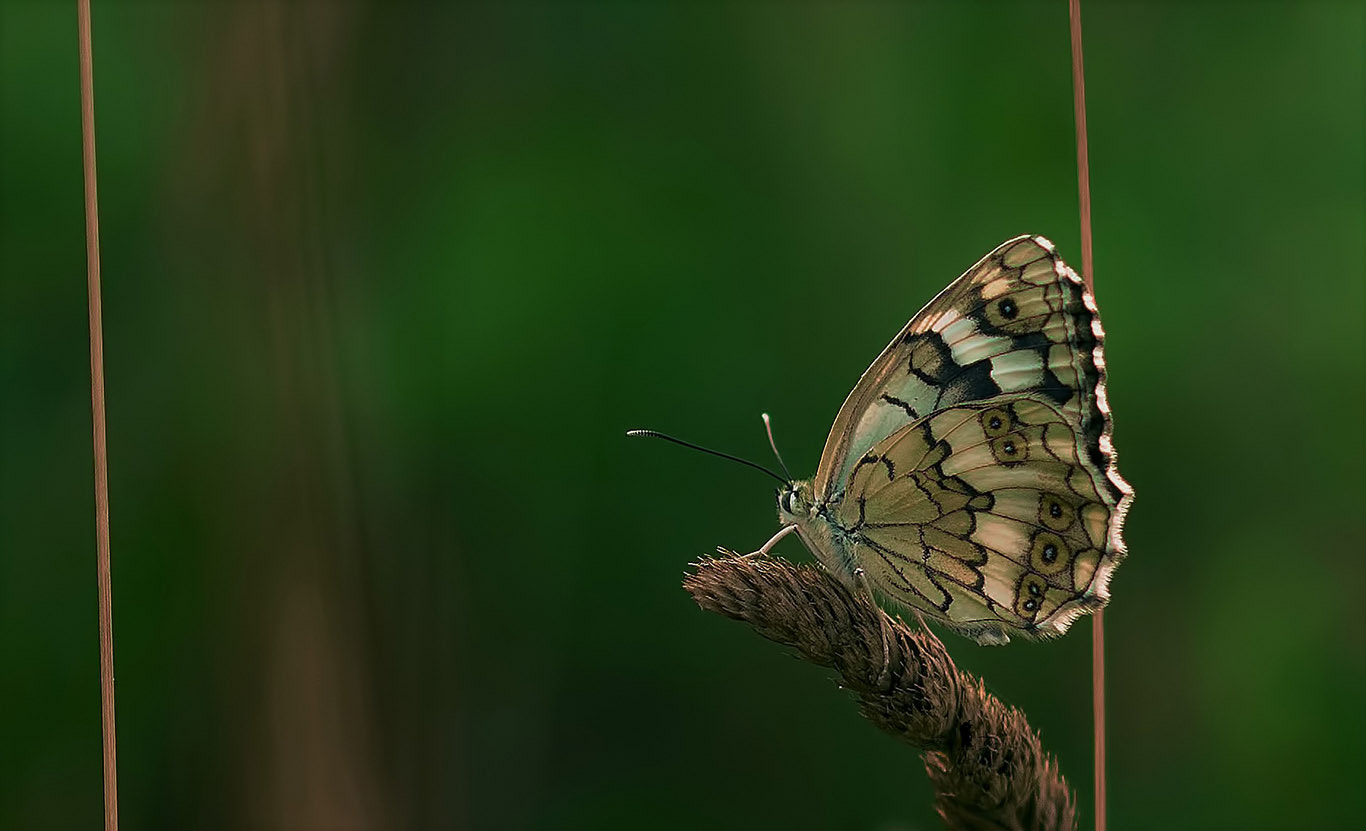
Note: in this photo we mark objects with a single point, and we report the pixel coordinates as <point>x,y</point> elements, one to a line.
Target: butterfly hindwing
<point>1020,321</point>
<point>986,516</point>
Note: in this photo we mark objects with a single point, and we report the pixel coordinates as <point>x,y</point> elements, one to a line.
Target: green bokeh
<point>384,285</point>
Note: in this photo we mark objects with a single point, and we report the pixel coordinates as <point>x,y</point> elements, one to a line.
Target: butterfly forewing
<point>985,516</point>
<point>1018,321</point>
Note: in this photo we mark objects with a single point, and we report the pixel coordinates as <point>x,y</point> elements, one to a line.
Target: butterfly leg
<point>867,590</point>
<point>766,547</point>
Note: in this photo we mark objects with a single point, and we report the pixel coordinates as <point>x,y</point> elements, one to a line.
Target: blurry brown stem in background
<point>987,766</point>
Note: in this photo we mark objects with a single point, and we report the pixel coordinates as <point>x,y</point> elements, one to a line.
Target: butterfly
<point>970,474</point>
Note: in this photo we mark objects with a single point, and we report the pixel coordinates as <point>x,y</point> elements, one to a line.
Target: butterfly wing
<point>985,516</point>
<point>1019,321</point>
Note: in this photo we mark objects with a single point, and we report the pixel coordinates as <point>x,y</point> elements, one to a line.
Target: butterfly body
<point>970,473</point>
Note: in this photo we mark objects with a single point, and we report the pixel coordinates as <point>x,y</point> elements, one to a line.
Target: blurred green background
<point>385,284</point>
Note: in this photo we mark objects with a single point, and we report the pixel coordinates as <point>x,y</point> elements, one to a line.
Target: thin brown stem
<point>92,254</point>
<point>1098,710</point>
<point>1083,158</point>
<point>1087,274</point>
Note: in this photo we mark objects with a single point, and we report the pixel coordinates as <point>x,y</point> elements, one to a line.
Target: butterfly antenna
<point>657,435</point>
<point>768,426</point>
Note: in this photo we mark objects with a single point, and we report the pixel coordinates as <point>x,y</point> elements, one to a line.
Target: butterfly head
<point>795,502</point>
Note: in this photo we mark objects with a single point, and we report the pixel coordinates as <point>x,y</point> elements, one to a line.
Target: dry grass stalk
<point>103,570</point>
<point>987,766</point>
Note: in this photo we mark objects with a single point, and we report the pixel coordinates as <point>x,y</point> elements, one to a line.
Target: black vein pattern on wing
<point>958,484</point>
<point>897,402</point>
<point>942,446</point>
<point>874,459</point>
<point>932,574</point>
<point>1083,342</point>
<point>979,384</point>
<point>954,388</point>
<point>887,555</point>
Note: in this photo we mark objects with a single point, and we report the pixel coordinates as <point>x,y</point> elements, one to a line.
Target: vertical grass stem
<point>1087,273</point>
<point>92,254</point>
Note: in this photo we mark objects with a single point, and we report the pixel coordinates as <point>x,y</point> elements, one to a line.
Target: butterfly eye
<point>786,501</point>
